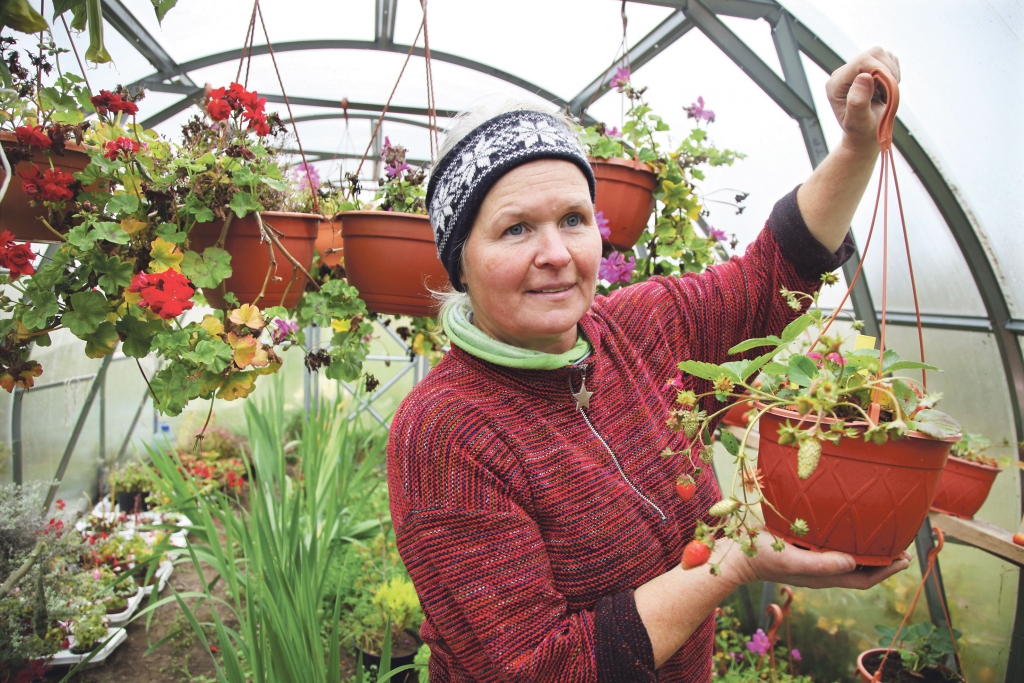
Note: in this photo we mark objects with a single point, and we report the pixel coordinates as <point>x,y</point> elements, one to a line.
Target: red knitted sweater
<point>523,538</point>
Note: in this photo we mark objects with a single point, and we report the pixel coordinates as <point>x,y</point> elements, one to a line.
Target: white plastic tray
<point>121,618</point>
<point>68,658</point>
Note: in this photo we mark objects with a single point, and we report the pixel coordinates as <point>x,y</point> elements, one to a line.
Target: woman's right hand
<point>797,567</point>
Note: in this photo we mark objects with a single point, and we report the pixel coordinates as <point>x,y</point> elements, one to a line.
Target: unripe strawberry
<point>691,423</point>
<point>695,554</point>
<point>724,507</point>
<point>807,457</point>
<point>686,487</point>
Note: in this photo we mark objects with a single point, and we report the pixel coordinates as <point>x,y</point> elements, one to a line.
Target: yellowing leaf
<point>132,298</point>
<point>341,325</point>
<point>165,256</point>
<point>133,225</point>
<point>237,385</point>
<point>247,315</point>
<point>261,358</point>
<point>244,347</point>
<point>212,326</point>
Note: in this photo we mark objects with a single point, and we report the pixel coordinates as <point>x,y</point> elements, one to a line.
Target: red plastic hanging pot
<point>329,242</point>
<point>16,214</point>
<point>865,499</point>
<point>250,256</point>
<point>964,487</point>
<point>390,257</point>
<point>625,193</point>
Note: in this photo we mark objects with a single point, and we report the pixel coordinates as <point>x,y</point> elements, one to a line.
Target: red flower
<point>113,102</point>
<point>125,147</point>
<point>51,185</point>
<point>167,294</point>
<point>60,503</point>
<point>257,121</point>
<point>218,109</point>
<point>18,258</point>
<point>33,136</point>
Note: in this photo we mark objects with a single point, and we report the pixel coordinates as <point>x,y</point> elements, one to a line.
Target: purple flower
<point>613,132</point>
<point>796,655</point>
<point>306,175</point>
<point>716,234</point>
<point>387,145</point>
<point>759,644</point>
<point>396,170</point>
<point>602,225</point>
<point>620,81</point>
<point>697,111</point>
<point>281,329</point>
<point>615,268</point>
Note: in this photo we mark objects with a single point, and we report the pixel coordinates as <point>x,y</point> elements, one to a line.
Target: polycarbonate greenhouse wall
<point>761,66</point>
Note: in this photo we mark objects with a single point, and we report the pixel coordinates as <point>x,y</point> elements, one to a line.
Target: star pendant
<point>583,397</point>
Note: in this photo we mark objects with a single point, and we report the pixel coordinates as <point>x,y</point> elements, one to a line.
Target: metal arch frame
<point>790,94</point>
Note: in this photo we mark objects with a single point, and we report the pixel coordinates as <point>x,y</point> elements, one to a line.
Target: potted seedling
<point>130,486</point>
<point>850,455</point>
<point>968,477</point>
<point>921,655</point>
<point>394,609</point>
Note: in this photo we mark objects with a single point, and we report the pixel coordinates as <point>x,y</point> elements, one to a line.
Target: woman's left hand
<point>855,100</point>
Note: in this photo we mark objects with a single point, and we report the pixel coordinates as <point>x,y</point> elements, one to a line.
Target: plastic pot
<point>928,674</point>
<point>329,242</point>
<point>128,500</point>
<point>736,416</point>
<point>16,214</point>
<point>373,661</point>
<point>391,259</point>
<point>964,487</point>
<point>864,499</point>
<point>250,257</point>
<point>625,193</point>
<point>865,677</point>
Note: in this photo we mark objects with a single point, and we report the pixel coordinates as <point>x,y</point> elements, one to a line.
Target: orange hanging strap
<point>775,612</point>
<point>788,592</point>
<point>932,556</point>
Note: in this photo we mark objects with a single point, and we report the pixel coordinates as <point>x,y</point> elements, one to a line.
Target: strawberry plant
<point>921,646</point>
<point>838,392</point>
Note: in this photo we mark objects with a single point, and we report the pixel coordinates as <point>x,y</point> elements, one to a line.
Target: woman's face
<point>532,256</point>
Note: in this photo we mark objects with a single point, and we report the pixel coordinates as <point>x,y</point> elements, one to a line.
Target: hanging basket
<point>625,193</point>
<point>329,242</point>
<point>391,259</point>
<point>17,215</point>
<point>250,256</point>
<point>738,415</point>
<point>964,487</point>
<point>865,499</point>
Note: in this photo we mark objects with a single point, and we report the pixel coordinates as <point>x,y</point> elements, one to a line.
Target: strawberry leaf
<point>796,328</point>
<point>802,370</point>
<point>935,424</point>
<point>730,442</point>
<point>770,340</point>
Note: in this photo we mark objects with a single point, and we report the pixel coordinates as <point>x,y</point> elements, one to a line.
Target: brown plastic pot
<point>625,193</point>
<point>864,499</point>
<point>865,677</point>
<point>16,213</point>
<point>250,257</point>
<point>329,242</point>
<point>964,487</point>
<point>391,259</point>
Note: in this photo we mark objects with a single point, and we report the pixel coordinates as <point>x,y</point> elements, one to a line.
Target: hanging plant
<point>637,174</point>
<point>969,475</point>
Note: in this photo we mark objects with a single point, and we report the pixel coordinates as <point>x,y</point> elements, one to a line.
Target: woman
<point>530,501</point>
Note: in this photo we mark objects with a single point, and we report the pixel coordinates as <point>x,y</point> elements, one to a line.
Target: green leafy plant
<point>832,387</point>
<point>739,659</point>
<point>133,477</point>
<point>921,646</point>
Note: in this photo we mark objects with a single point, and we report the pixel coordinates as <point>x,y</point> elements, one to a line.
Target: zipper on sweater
<point>622,473</point>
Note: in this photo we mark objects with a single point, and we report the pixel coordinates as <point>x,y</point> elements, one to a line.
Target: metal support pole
<point>77,431</point>
<point>103,420</point>
<point>17,472</point>
<point>131,428</point>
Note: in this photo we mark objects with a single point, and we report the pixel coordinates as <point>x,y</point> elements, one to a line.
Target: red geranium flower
<point>257,121</point>
<point>113,102</point>
<point>33,136</point>
<point>60,503</point>
<point>167,294</point>
<point>51,185</point>
<point>125,147</point>
<point>18,258</point>
<point>218,109</point>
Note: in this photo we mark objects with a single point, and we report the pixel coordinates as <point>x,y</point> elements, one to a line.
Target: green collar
<point>458,325</point>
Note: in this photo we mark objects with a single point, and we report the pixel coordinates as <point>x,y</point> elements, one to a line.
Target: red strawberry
<point>1018,538</point>
<point>686,487</point>
<point>695,554</point>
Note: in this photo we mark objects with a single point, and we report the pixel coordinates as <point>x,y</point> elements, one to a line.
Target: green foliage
<point>920,645</point>
<point>132,477</point>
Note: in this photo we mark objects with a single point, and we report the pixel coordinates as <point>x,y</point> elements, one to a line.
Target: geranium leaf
<point>164,256</point>
<point>115,273</point>
<point>171,343</point>
<point>123,203</point>
<point>935,424</point>
<point>213,353</point>
<point>195,206</point>
<point>755,343</point>
<point>88,311</point>
<point>169,231</point>
<point>44,306</point>
<point>138,335</point>
<point>802,370</point>
<point>242,203</point>
<point>102,342</point>
<point>111,232</point>
<point>238,385</point>
<point>209,269</point>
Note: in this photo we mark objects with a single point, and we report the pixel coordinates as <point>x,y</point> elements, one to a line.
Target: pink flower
<point>716,234</point>
<point>387,145</point>
<point>796,655</point>
<point>306,175</point>
<point>620,81</point>
<point>602,225</point>
<point>615,268</point>
<point>759,644</point>
<point>396,170</point>
<point>676,382</point>
<point>613,132</point>
<point>97,575</point>
<point>697,111</point>
<point>281,329</point>
<point>837,359</point>
<point>815,356</point>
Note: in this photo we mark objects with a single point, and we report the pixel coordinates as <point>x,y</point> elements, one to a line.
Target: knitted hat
<point>461,180</point>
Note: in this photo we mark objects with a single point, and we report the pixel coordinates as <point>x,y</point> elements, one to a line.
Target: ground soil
<point>893,672</point>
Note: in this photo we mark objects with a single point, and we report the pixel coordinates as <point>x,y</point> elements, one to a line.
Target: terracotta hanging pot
<point>867,665</point>
<point>964,487</point>
<point>16,214</point>
<point>625,194</point>
<point>736,416</point>
<point>864,499</point>
<point>250,257</point>
<point>391,259</point>
<point>329,241</point>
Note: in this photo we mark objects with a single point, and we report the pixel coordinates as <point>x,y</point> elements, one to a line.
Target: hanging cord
<point>287,104</point>
<point>910,264</point>
<point>788,592</point>
<point>77,58</point>
<point>932,556</point>
<point>435,147</point>
<point>380,119</point>
<point>250,32</point>
<point>773,632</point>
